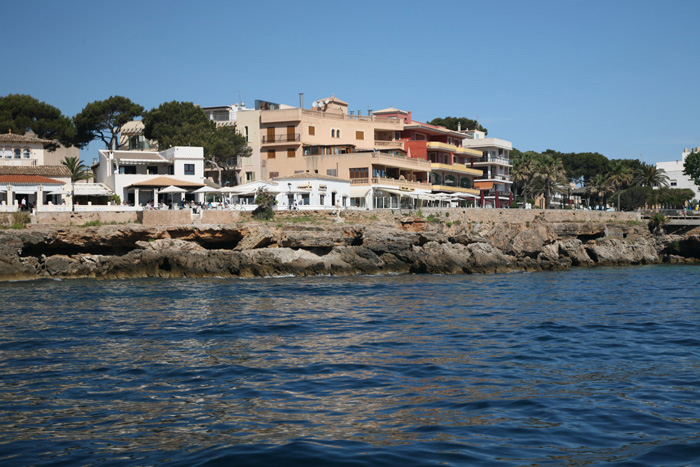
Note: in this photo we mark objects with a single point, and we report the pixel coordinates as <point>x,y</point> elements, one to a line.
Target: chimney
<point>301,100</point>
<point>459,126</point>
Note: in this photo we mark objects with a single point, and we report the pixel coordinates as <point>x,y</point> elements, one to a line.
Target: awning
<point>91,189</point>
<point>395,192</point>
<point>358,192</point>
<point>483,185</point>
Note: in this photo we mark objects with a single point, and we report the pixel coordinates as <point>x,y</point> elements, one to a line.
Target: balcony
<point>456,168</point>
<point>401,161</point>
<point>391,121</point>
<point>452,148</point>
<point>493,160</point>
<point>405,184</point>
<point>285,138</point>
<point>384,145</point>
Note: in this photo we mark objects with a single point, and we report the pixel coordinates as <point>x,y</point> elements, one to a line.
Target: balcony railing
<point>281,138</point>
<point>391,182</point>
<point>18,162</point>
<point>361,118</point>
<point>388,144</point>
<point>497,160</point>
<point>396,157</point>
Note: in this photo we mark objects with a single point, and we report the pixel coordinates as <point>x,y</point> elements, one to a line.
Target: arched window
<point>7,153</point>
<point>337,133</point>
<point>450,180</point>
<point>332,133</point>
<point>18,153</point>
<point>435,178</point>
<point>466,183</point>
<point>26,153</point>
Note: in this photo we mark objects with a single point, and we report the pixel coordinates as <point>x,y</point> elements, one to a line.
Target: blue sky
<point>613,76</point>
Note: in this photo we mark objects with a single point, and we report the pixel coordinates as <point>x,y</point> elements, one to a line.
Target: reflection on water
<point>579,367</point>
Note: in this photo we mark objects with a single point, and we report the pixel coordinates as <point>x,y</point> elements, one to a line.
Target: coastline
<point>457,242</point>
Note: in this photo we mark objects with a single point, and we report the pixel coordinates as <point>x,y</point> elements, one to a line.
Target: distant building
<point>28,150</point>
<point>496,181</point>
<point>674,170</point>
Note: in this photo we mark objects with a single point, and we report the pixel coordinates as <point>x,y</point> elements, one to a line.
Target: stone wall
<point>81,218</point>
<point>169,217</point>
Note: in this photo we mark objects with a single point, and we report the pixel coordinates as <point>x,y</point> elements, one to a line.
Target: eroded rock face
<point>260,249</point>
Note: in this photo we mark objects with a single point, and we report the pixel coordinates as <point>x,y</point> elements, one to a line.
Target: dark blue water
<point>583,367</point>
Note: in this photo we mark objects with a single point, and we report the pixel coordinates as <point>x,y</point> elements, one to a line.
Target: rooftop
<point>41,170</point>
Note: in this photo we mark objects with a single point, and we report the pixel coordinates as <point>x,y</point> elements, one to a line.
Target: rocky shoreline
<point>410,245</point>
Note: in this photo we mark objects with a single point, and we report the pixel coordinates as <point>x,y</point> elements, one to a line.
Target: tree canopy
<point>104,120</point>
<point>21,113</point>
<point>185,124</point>
<point>453,123</point>
<point>691,167</point>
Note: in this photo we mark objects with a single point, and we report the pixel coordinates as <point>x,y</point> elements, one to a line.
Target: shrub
<point>265,202</point>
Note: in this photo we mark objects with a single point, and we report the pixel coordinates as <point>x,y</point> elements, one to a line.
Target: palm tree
<point>548,177</point>
<point>620,176</point>
<point>649,175</point>
<point>598,186</point>
<point>78,171</point>
<point>522,170</point>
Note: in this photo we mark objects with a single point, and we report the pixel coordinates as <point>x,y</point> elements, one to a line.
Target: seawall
<point>302,243</point>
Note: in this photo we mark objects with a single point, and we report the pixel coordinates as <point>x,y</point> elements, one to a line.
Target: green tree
<point>582,166</point>
<point>184,124</point>
<point>635,197</point>
<point>78,170</point>
<point>104,120</point>
<point>649,175</point>
<point>691,167</point>
<point>523,163</point>
<point>548,177</point>
<point>21,113</point>
<point>463,123</point>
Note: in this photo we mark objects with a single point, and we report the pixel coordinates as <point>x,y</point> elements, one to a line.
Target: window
<point>312,151</point>
<point>8,153</point>
<point>26,153</point>
<point>312,130</point>
<point>337,133</point>
<point>359,135</point>
<point>171,170</point>
<point>250,176</point>
<point>381,173</point>
<point>359,173</point>
<point>305,199</point>
<point>189,169</point>
<point>332,172</point>
<point>272,175</point>
<point>152,170</point>
<point>127,169</point>
<point>323,199</point>
<point>291,153</point>
<point>18,153</point>
<point>333,133</point>
<point>674,183</point>
<point>270,153</point>
<point>246,134</point>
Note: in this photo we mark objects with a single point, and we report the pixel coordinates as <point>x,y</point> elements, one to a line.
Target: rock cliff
<point>253,249</point>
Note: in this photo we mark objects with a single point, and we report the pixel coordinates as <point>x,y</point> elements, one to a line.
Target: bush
<point>20,220</point>
<point>265,202</point>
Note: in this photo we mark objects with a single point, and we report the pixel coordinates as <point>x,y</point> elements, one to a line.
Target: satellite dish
<point>328,101</point>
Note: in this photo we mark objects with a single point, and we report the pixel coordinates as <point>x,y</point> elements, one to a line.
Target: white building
<point>496,164</point>
<point>674,170</point>
<point>137,176</point>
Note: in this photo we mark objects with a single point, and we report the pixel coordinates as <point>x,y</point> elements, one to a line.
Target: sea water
<point>581,367</point>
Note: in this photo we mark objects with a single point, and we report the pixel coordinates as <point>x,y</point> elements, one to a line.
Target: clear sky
<point>614,76</point>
